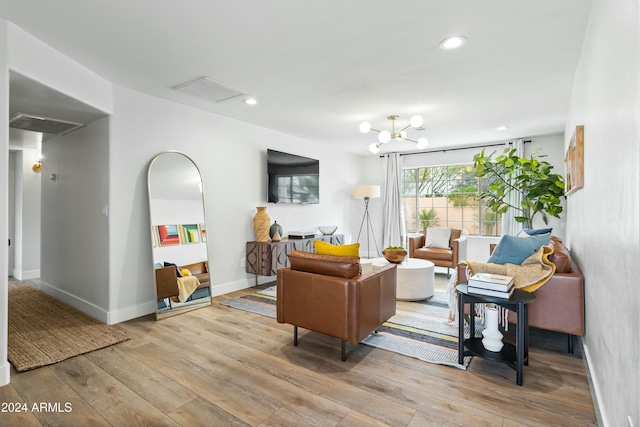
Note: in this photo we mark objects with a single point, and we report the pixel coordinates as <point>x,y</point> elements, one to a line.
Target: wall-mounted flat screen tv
<point>292,179</point>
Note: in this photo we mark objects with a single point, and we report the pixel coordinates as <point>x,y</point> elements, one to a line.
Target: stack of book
<point>494,285</point>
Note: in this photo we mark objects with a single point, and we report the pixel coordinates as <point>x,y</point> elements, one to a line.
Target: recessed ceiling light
<point>453,42</point>
<point>502,128</point>
<point>250,101</point>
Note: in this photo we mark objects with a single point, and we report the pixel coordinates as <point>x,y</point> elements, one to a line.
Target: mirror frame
<point>187,306</point>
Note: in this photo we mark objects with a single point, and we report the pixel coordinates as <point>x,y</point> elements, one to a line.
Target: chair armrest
<point>462,273</point>
<point>415,242</point>
<point>166,282</point>
<point>372,300</point>
<point>459,247</point>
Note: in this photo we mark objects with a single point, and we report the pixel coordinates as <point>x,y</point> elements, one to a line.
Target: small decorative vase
<point>492,340</point>
<point>261,222</point>
<point>275,231</point>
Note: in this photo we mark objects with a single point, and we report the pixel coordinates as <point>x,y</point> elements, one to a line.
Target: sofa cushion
<point>560,256</point>
<point>434,254</point>
<point>438,237</point>
<point>325,248</point>
<point>514,250</point>
<point>328,265</point>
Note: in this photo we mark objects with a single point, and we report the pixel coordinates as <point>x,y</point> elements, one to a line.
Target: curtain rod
<point>444,150</point>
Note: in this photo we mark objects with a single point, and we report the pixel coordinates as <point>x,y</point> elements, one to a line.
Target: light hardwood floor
<point>219,366</point>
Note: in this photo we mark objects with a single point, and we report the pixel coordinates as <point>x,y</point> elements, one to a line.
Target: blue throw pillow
<point>514,250</point>
<point>532,232</point>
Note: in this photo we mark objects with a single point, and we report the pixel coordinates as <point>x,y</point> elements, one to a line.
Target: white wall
<point>27,216</point>
<point>75,238</point>
<point>603,217</point>
<point>38,61</point>
<point>232,158</point>
<point>4,194</point>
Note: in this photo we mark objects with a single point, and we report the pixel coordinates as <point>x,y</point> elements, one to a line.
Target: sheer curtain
<point>509,225</point>
<point>393,230</point>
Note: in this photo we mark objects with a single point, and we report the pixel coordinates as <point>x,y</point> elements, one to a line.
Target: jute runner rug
<point>43,330</point>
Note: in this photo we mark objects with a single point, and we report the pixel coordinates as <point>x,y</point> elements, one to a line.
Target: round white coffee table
<point>415,278</point>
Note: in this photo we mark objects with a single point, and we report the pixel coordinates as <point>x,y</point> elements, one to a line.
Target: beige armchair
<point>442,257</point>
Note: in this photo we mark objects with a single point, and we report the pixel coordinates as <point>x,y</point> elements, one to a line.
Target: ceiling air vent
<point>42,124</point>
<point>210,89</point>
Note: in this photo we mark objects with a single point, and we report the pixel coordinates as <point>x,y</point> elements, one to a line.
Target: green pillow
<point>514,250</point>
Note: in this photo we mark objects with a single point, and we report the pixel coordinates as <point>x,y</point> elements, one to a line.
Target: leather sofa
<point>167,278</point>
<point>329,294</point>
<point>559,304</point>
<point>449,257</point>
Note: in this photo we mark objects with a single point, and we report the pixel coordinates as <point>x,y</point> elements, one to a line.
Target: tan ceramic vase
<point>261,224</point>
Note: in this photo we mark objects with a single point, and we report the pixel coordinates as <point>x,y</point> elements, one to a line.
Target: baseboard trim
<point>133,312</point>
<point>122,315</point>
<point>225,288</point>
<point>26,275</point>
<point>594,385</point>
<point>84,306</point>
<point>5,368</point>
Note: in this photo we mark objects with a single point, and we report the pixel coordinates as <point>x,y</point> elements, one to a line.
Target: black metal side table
<point>514,356</point>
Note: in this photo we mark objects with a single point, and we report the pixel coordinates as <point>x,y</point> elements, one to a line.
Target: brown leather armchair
<point>329,295</point>
<point>449,257</point>
<point>559,304</point>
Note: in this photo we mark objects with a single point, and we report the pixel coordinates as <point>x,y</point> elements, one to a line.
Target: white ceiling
<point>319,68</point>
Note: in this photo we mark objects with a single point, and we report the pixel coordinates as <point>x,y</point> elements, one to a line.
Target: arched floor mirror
<point>178,234</point>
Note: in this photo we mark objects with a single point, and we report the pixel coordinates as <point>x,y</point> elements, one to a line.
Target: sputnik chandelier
<point>385,136</point>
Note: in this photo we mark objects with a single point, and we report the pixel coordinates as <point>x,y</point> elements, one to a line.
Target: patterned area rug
<point>43,330</point>
<point>419,329</point>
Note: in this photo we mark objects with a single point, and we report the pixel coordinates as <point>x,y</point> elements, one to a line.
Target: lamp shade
<point>363,191</point>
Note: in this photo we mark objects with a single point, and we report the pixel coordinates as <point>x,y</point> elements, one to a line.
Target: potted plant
<point>395,254</point>
<point>531,178</point>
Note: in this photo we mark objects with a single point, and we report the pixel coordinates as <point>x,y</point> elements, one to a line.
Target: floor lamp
<point>367,192</point>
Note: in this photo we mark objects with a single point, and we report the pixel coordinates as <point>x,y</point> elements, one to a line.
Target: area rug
<point>43,330</point>
<point>419,329</point>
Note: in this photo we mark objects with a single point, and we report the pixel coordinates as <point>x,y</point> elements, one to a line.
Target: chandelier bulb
<point>384,136</point>
<point>422,143</point>
<point>416,121</point>
<point>374,148</point>
<point>402,135</point>
<point>365,127</point>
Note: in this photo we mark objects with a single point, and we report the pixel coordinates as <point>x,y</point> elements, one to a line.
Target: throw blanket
<point>186,286</point>
<point>534,271</point>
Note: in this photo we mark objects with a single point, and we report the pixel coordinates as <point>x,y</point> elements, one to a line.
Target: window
<point>447,196</point>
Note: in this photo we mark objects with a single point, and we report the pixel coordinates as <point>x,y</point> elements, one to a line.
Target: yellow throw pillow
<point>324,248</point>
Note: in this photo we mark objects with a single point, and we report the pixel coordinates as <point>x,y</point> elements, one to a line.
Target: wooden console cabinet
<point>264,258</point>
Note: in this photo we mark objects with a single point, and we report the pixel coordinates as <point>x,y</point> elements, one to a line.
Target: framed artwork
<point>203,232</point>
<point>190,233</point>
<point>168,235</point>
<point>574,162</point>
